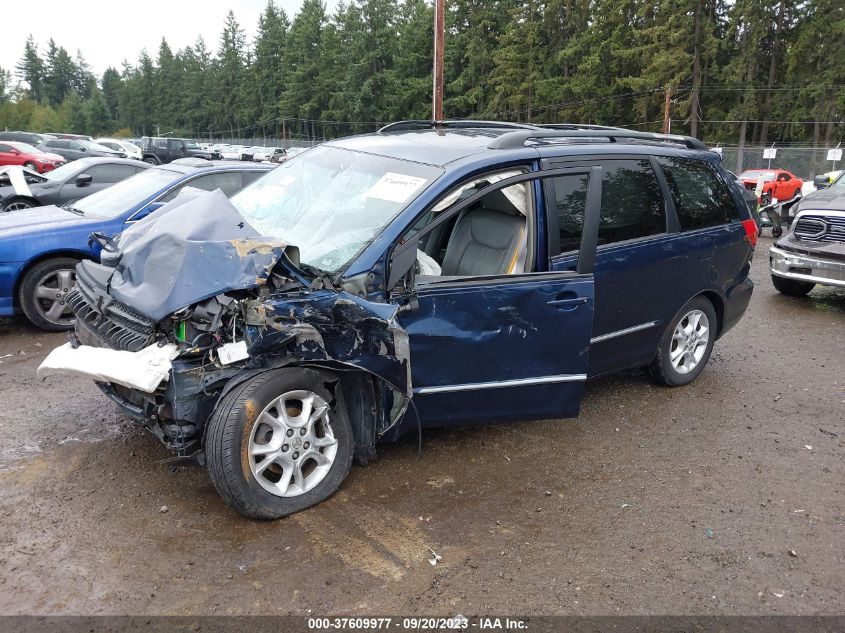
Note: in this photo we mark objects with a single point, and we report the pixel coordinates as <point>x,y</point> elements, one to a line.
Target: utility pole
<point>667,122</point>
<point>439,41</point>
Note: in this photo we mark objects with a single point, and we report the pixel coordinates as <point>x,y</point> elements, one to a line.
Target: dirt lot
<point>725,497</point>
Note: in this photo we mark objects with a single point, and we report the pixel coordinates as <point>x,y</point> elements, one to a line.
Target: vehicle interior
<point>490,237</point>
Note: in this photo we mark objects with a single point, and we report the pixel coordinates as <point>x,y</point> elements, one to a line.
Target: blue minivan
<point>430,274</point>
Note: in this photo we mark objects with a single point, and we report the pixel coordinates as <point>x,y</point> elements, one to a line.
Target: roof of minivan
<point>446,145</point>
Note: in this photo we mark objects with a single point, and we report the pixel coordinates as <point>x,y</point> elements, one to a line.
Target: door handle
<point>568,304</point>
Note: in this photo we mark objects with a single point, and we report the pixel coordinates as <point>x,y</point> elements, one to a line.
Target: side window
<point>58,144</point>
<point>175,144</point>
<point>571,204</point>
<point>229,182</point>
<point>250,176</point>
<point>161,143</point>
<point>631,205</point>
<point>74,145</point>
<point>110,173</point>
<point>701,197</point>
<point>5,149</point>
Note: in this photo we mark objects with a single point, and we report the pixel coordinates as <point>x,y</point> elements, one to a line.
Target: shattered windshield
<point>331,202</point>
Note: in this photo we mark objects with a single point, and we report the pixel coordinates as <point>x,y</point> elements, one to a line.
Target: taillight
<point>750,227</point>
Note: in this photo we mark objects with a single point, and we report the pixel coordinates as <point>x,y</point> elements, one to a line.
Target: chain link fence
<point>804,162</point>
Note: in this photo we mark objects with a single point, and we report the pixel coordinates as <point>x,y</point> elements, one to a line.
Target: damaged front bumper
<point>819,264</point>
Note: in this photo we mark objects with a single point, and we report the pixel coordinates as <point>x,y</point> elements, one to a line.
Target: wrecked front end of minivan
<point>180,314</point>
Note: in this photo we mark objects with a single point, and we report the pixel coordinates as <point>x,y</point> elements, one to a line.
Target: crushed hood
<point>187,251</point>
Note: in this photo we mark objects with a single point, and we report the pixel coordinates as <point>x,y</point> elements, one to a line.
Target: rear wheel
<point>43,293</point>
<point>278,443</point>
<point>151,160</point>
<point>792,287</point>
<point>16,204</point>
<point>686,344</point>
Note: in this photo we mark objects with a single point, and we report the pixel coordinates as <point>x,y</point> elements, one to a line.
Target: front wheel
<point>777,231</point>
<point>44,291</point>
<point>30,166</point>
<point>278,443</point>
<point>151,160</point>
<point>792,287</point>
<point>686,344</point>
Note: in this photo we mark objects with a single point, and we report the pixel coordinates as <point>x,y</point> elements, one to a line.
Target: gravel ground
<point>723,497</point>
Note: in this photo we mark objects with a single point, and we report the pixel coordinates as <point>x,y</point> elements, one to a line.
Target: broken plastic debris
<point>709,532</point>
<point>793,553</point>
<point>435,557</point>
<point>808,447</point>
<point>777,595</point>
<point>143,370</point>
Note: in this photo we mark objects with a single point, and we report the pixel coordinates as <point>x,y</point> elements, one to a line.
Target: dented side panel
<point>501,348</point>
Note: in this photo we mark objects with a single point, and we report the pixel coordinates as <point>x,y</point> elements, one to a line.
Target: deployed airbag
<point>143,370</point>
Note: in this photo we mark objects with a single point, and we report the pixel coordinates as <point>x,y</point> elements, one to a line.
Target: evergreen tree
<point>111,91</point>
<point>31,71</point>
<point>5,85</point>
<point>230,74</point>
<point>304,99</point>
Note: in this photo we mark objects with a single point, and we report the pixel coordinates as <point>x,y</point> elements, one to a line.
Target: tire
<point>238,426</point>
<point>31,166</point>
<point>50,276</point>
<point>777,231</point>
<point>666,372</point>
<point>16,204</point>
<point>152,160</point>
<point>792,287</point>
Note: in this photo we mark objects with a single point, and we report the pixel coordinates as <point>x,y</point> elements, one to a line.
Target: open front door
<point>490,348</point>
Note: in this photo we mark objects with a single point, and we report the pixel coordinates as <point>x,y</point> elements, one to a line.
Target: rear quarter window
<point>700,195</point>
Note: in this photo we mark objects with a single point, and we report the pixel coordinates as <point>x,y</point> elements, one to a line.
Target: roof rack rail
<point>416,124</point>
<point>512,140</point>
<point>577,126</point>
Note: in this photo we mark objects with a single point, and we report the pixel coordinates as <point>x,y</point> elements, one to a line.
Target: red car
<point>14,153</point>
<point>777,183</point>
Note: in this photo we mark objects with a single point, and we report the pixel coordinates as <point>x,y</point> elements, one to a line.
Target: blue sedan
<point>39,248</point>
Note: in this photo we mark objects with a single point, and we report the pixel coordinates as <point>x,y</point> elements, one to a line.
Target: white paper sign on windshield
<point>395,187</point>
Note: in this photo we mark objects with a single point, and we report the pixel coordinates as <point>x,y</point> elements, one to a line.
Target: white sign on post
<point>718,150</point>
<point>770,152</point>
<point>834,154</point>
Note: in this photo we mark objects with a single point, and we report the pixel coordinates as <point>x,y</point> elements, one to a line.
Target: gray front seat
<point>485,239</point>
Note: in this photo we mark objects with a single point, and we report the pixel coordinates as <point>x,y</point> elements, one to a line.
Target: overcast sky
<point>109,31</point>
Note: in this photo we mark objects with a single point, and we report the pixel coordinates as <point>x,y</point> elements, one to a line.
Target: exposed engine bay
<point>232,305</point>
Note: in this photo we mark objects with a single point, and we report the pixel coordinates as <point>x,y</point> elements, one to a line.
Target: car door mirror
<point>83,180</point>
<point>14,152</point>
<point>821,182</point>
<point>403,260</point>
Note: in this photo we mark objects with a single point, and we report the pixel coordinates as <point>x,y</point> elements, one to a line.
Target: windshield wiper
<point>73,209</point>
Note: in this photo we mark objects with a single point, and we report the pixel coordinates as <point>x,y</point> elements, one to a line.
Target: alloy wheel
<point>291,445</point>
<point>51,295</point>
<point>689,341</point>
<point>17,206</point>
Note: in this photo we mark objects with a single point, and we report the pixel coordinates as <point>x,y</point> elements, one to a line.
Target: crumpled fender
<point>333,328</point>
